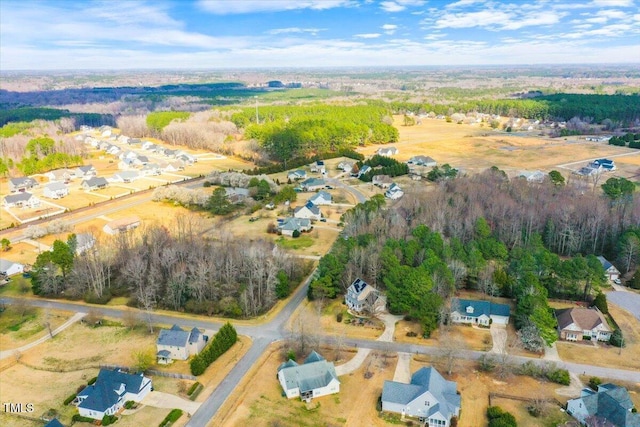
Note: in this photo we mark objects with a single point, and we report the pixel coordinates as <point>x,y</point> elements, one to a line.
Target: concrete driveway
<point>551,353</point>
<point>628,300</point>
<point>158,399</point>
<point>499,338</point>
<point>403,368</point>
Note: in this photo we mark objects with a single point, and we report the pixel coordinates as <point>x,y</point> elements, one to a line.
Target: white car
<point>617,281</point>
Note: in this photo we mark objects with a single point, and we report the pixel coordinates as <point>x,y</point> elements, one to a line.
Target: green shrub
<point>594,382</point>
<point>499,418</point>
<point>109,419</point>
<point>70,399</point>
<point>92,381</point>
<point>77,418</point>
<point>617,340</point>
<point>193,388</point>
<point>171,418</point>
<point>221,342</point>
<point>560,376</point>
<point>129,404</point>
<point>339,317</point>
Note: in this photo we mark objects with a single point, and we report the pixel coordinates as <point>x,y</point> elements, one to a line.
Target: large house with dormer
<point>178,344</point>
<point>610,406</point>
<point>308,211</point>
<point>574,324</point>
<point>362,297</point>
<point>478,312</point>
<point>22,184</point>
<point>314,378</point>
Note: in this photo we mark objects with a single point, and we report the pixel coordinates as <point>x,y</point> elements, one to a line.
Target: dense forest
<point>501,237</point>
<point>177,270</point>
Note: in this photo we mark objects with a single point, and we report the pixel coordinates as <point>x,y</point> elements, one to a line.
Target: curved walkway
<point>8,353</point>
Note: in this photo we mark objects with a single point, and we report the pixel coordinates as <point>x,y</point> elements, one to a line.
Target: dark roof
<point>310,375</point>
<point>174,337</point>
<point>95,181</point>
<point>585,318</point>
<point>313,357</point>
<point>164,353</point>
<point>19,197</point>
<point>612,403</point>
<point>288,364</point>
<point>54,423</point>
<point>309,205</point>
<point>605,263</point>
<point>23,181</point>
<point>86,168</point>
<point>194,335</point>
<point>480,307</point>
<point>358,285</point>
<point>102,394</point>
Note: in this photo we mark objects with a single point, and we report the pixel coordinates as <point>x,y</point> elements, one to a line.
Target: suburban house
<point>605,165</point>
<point>177,344</point>
<point>289,225</point>
<point>312,184</point>
<point>125,176</point>
<point>85,171</point>
<point>55,190</point>
<point>576,323</point>
<point>174,166</point>
<point>387,151</point>
<point>121,225</point>
<point>533,176</point>
<point>141,160</point>
<point>611,405</point>
<point>422,161</point>
<point>60,175</point>
<point>128,155</point>
<point>148,145</point>
<point>94,183</point>
<point>308,211</point>
<point>394,192</point>
<point>150,169</point>
<point>236,194</point>
<point>320,198</point>
<point>609,269</point>
<point>382,181</point>
<point>588,171</point>
<point>84,242</point>
<point>297,175</point>
<point>314,378</point>
<point>479,312</point>
<point>9,268</point>
<point>345,166</point>
<point>318,167</point>
<point>21,200</point>
<point>110,392</point>
<point>428,397</point>
<point>362,297</point>
<point>22,184</point>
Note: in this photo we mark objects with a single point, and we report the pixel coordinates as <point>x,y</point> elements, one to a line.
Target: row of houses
<point>597,166</point>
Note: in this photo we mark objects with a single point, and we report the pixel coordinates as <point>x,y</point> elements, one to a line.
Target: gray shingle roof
<point>56,186</point>
<point>95,181</point>
<point>174,337</point>
<point>19,197</point>
<point>612,403</point>
<point>102,394</point>
<point>5,264</point>
<point>310,375</point>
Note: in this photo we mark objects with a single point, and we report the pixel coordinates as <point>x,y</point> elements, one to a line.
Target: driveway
<point>158,399</point>
<point>551,353</point>
<point>403,368</point>
<point>499,338</point>
<point>630,301</point>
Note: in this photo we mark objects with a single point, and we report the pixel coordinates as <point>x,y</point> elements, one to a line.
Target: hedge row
<point>302,161</point>
<point>221,342</point>
<point>171,418</point>
<point>77,418</point>
<point>193,388</point>
<point>69,399</point>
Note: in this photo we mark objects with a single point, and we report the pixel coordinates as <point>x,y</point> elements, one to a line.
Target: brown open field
<point>113,190</point>
<point>606,355</point>
<point>329,324</point>
<point>474,148</point>
<point>257,401</point>
<point>22,253</point>
<point>17,330</point>
<point>471,338</point>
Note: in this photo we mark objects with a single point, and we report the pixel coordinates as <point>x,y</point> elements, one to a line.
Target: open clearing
<point>20,325</point>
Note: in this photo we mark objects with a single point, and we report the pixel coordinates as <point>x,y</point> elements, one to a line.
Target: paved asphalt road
<point>630,301</point>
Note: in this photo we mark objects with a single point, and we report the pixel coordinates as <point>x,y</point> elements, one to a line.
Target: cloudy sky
<point>128,34</point>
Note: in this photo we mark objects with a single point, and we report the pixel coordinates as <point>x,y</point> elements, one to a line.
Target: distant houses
<point>84,172</point>
<point>84,242</point>
<point>533,176</point>
<point>422,161</point>
<point>60,175</point>
<point>382,181</point>
<point>597,166</point>
<point>315,377</point>
<point>178,344</point>
<point>387,151</point>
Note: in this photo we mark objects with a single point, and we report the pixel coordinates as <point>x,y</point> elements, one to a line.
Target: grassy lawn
<point>304,241</point>
<point>21,325</point>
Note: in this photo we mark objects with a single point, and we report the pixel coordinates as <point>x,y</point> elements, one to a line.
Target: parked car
<point>253,219</point>
<point>617,281</point>
<point>323,219</point>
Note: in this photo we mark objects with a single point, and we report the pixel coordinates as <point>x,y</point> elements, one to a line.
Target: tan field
<point>22,253</point>
<point>17,330</point>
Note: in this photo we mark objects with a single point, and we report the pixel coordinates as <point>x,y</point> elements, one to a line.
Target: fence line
<point>493,395</point>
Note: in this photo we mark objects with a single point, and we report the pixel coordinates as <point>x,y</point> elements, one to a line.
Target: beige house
<point>362,297</point>
<point>574,324</point>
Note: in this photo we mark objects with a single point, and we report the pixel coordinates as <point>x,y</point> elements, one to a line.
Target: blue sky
<point>127,34</point>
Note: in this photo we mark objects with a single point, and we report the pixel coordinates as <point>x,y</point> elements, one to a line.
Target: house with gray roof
<point>21,200</point>
<point>60,175</point>
<point>297,175</point>
<point>422,161</point>
<point>312,184</point>
<point>611,405</point>
<point>320,198</point>
<point>178,344</point>
<point>428,397</point>
<point>9,268</point>
<point>95,183</point>
<point>315,377</point>
<point>308,211</point>
<point>479,312</point>
<point>55,190</point>
<point>86,171</point>
<point>289,225</point>
<point>110,392</point>
<point>362,297</point>
<point>387,151</point>
<point>22,184</point>
<point>125,176</point>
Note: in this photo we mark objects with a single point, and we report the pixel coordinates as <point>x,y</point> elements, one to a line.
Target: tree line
<point>222,341</point>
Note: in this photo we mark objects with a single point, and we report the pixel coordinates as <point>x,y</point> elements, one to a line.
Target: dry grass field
<point>18,329</point>
<point>22,253</point>
<point>329,325</point>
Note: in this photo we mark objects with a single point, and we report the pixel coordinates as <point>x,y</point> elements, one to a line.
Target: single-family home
<point>318,166</point>
<point>105,131</point>
<point>345,166</point>
<point>363,170</point>
<point>314,378</point>
<point>312,184</point>
<point>60,175</point>
<point>479,312</point>
<point>22,184</point>
<point>141,160</point>
<point>104,145</point>
<point>110,392</point>
<point>55,190</point>
<point>125,176</point>
<point>387,151</point>
<point>114,150</point>
<point>394,192</point>
<point>84,172</point>
<point>422,161</point>
<point>84,242</point>
<point>170,153</point>
<point>611,406</point>
<point>606,165</point>
<point>308,211</point>
<point>362,297</point>
<point>175,166</point>
<point>320,198</point>
<point>9,268</point>
<point>178,344</point>
<point>134,141</point>
<point>21,200</point>
<point>533,176</point>
<point>588,171</point>
<point>95,183</point>
<point>121,225</point>
<point>574,324</point>
<point>150,169</point>
<point>148,145</point>
<point>609,269</point>
<point>186,157</point>
<point>128,155</point>
<point>297,175</point>
<point>289,225</point>
<point>382,181</point>
<point>236,194</point>
<point>428,397</point>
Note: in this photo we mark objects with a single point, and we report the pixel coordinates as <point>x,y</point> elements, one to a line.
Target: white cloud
<point>368,35</point>
<point>494,19</point>
<point>461,3</point>
<point>389,29</point>
<point>295,30</point>
<point>434,36</point>
<point>613,3</point>
<point>391,6</point>
<point>227,7</point>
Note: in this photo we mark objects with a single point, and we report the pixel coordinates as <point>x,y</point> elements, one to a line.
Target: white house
<point>314,378</point>
<point>387,151</point>
<point>422,161</point>
<point>289,225</point>
<point>60,175</point>
<point>9,268</point>
<point>21,200</point>
<point>55,190</point>
<point>611,404</point>
<point>297,175</point>
<point>150,169</point>
<point>174,166</point>
<point>479,312</point>
<point>94,183</point>
<point>121,225</point>
<point>84,242</point>
<point>365,169</point>
<point>609,269</point>
<point>308,211</point>
<point>429,398</point>
<point>110,392</point>
<point>312,184</point>
<point>533,176</point>
<point>318,167</point>
<point>84,172</point>
<point>178,344</point>
<point>394,192</point>
<point>320,198</point>
<point>382,181</point>
<point>362,297</point>
<point>345,166</point>
<point>574,324</point>
<point>125,176</point>
<point>22,184</point>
